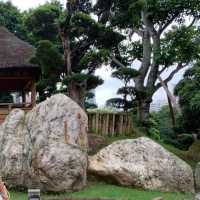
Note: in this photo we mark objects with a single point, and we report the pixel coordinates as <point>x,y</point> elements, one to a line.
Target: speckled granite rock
<point>143,163</point>
<point>46,147</point>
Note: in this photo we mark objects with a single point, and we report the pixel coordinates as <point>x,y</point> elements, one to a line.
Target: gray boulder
<point>143,163</point>
<point>45,148</point>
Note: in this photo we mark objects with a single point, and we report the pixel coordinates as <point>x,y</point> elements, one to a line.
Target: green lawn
<point>102,190</point>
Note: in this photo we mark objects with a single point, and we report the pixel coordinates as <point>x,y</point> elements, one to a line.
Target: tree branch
<point>163,69</point>
<point>170,96</point>
<point>171,76</point>
<point>83,46</point>
<point>116,61</point>
<point>192,23</point>
<point>139,32</point>
<point>162,28</point>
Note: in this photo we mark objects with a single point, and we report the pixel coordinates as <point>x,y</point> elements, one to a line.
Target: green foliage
<point>163,117</point>
<point>91,81</point>
<point>11,18</point>
<point>41,22</point>
<point>49,58</point>
<point>51,62</point>
<point>189,95</point>
<point>172,135</point>
<point>160,46</point>
<point>93,57</point>
<point>127,102</point>
<point>120,103</point>
<point>128,13</point>
<point>125,74</point>
<point>185,141</point>
<point>89,104</point>
<point>89,44</point>
<point>153,129</point>
<point>154,133</point>
<point>176,43</point>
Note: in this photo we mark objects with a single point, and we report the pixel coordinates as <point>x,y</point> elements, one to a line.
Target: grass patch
<point>102,190</point>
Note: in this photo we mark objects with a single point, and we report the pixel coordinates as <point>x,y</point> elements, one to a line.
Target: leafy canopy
<point>188,91</point>
<point>12,18</point>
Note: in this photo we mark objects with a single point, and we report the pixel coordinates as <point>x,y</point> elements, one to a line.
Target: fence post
<point>110,124</point>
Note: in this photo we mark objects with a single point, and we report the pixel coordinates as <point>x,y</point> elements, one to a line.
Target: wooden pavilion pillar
<point>33,93</point>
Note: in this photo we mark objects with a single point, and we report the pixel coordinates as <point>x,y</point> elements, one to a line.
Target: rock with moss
<point>142,163</point>
<point>45,148</point>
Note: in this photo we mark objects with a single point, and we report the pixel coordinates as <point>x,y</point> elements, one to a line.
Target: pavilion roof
<point>14,53</point>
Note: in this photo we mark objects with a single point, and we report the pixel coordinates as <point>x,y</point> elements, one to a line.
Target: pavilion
<point>17,74</point>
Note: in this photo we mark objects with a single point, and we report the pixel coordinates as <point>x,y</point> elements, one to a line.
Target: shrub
<point>172,135</point>
<point>154,133</point>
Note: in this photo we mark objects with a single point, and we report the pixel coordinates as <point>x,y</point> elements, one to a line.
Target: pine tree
<point>86,45</point>
<point>127,102</point>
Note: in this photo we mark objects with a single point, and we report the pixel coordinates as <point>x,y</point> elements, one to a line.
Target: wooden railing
<point>110,124</point>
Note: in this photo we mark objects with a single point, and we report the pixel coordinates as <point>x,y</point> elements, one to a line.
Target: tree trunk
<point>172,112</point>
<point>144,110</point>
<point>74,92</point>
<point>77,93</point>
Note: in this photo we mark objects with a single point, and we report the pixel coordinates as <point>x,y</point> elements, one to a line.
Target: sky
<point>26,4</point>
<point>109,88</point>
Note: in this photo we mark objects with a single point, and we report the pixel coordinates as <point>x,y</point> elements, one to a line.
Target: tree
<point>50,60</point>
<point>160,46</point>
<point>42,28</point>
<point>90,100</point>
<point>188,91</point>
<point>12,19</point>
<point>126,75</point>
<point>41,22</point>
<point>86,44</point>
<point>83,43</point>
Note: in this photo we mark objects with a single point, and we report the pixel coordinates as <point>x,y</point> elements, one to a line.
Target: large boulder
<point>45,148</point>
<point>143,163</point>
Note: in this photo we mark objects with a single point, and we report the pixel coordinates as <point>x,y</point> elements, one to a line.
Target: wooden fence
<point>110,124</point>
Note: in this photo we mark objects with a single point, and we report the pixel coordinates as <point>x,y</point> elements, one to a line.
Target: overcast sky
<point>110,86</point>
<point>26,4</point>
